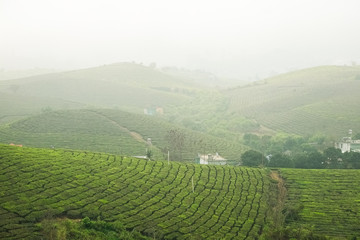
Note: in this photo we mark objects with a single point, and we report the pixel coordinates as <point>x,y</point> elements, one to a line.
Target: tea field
<point>166,200</point>
<point>112,131</point>
<point>328,200</point>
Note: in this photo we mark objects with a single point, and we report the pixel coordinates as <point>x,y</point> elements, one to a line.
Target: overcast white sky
<point>236,38</point>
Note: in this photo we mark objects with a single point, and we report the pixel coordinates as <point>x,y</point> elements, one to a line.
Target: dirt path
<point>281,186</point>
<point>135,135</point>
<point>281,197</point>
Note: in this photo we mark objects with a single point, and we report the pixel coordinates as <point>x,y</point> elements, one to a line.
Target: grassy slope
<point>112,131</point>
<point>14,74</point>
<point>14,106</point>
<point>77,129</point>
<point>330,199</point>
<point>152,197</point>
<point>117,85</point>
<point>321,99</point>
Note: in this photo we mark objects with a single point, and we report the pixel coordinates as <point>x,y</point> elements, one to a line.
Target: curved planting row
<point>169,201</point>
<point>326,199</point>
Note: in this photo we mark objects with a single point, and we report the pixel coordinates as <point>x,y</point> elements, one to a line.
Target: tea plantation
<point>326,199</point>
<point>169,201</point>
<point>112,131</point>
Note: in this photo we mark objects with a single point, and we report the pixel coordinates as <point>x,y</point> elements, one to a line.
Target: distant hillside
<point>14,107</point>
<point>113,131</point>
<point>203,78</point>
<point>322,99</point>
<point>14,74</point>
<point>125,85</point>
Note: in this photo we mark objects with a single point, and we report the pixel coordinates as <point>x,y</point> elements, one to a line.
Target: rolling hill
<point>124,85</point>
<point>113,131</point>
<point>322,99</point>
<point>315,100</point>
<point>14,107</point>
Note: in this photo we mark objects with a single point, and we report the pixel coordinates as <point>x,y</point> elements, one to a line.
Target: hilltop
<point>321,99</point>
<point>124,85</point>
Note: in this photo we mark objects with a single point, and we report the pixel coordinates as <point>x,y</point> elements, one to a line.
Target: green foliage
<point>281,142</point>
<point>301,232</point>
<point>280,160</point>
<point>252,158</point>
<point>86,229</point>
<point>176,141</point>
<point>293,151</point>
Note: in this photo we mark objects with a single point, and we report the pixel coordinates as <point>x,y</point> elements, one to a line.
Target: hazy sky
<point>237,38</point>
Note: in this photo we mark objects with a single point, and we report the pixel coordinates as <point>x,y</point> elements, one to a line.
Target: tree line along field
<point>153,197</point>
<point>326,199</point>
<point>112,131</point>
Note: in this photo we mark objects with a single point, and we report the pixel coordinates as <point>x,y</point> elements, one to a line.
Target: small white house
<point>345,144</point>
<point>213,159</point>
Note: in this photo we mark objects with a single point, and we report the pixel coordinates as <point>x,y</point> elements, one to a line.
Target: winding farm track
<point>134,135</point>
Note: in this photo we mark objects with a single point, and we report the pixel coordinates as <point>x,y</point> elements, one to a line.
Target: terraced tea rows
<point>79,129</point>
<point>112,131</point>
<point>330,200</point>
<point>155,198</point>
<point>157,129</point>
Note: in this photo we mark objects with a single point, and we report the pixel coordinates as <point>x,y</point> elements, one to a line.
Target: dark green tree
<point>281,160</point>
<point>315,160</point>
<point>352,160</point>
<point>176,142</point>
<point>252,158</point>
<point>333,158</point>
<point>300,160</point>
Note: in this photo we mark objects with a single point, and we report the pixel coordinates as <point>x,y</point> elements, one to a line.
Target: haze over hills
<point>321,99</point>
<point>180,119</point>
<point>14,74</point>
<point>100,111</point>
<point>316,100</point>
<point>125,85</point>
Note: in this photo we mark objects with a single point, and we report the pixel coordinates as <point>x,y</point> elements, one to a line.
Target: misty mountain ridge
<point>319,99</point>
<point>119,84</point>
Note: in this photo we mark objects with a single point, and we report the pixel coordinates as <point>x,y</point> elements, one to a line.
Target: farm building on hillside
<point>154,111</point>
<point>212,159</point>
<point>347,145</point>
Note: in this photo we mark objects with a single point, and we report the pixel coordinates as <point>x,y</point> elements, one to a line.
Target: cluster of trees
<point>329,158</point>
<point>64,228</point>
<point>291,151</point>
<point>283,142</point>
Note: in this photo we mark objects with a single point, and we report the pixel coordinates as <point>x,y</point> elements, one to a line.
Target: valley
<point>118,146</point>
